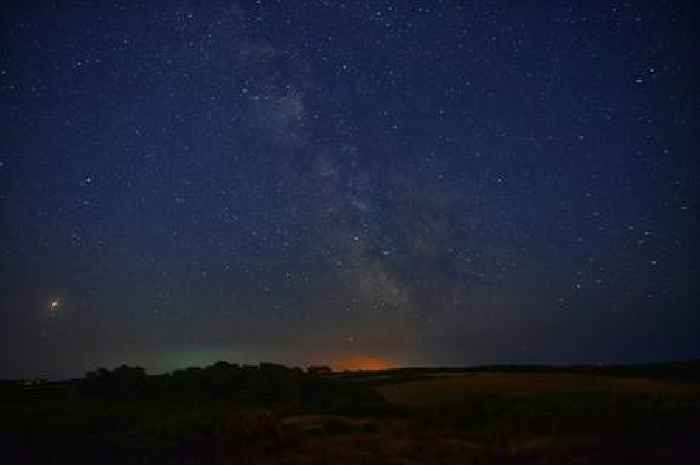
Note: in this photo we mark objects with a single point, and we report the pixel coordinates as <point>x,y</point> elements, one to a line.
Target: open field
<point>454,387</point>
<point>273,415</point>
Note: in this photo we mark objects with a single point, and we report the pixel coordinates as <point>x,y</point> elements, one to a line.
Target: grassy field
<point>554,418</point>
<point>454,387</point>
<point>229,415</point>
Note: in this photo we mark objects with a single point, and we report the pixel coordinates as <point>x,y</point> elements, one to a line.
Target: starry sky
<point>361,182</point>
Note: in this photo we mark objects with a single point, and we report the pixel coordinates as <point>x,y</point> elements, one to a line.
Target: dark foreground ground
<point>225,414</point>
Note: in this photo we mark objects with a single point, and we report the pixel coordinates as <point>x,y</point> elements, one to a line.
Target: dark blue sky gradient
<point>422,182</point>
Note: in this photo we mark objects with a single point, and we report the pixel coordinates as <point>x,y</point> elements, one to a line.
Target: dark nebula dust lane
<point>365,184</point>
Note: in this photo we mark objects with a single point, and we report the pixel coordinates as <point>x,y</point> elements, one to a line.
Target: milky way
<point>433,183</point>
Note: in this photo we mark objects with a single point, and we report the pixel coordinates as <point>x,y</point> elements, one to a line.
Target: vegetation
<point>226,414</point>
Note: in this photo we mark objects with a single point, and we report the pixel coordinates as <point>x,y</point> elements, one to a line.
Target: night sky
<point>380,183</point>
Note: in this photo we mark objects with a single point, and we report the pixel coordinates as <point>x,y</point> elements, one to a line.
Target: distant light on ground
<point>362,363</point>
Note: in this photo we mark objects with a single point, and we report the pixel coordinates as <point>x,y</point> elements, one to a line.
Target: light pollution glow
<point>361,363</point>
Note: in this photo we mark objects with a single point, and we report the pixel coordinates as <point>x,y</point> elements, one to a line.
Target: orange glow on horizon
<point>362,363</point>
